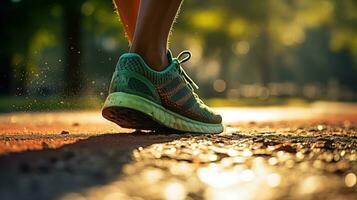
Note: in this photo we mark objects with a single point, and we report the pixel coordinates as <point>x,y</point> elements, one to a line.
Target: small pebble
<point>45,145</point>
<point>75,124</point>
<point>64,132</point>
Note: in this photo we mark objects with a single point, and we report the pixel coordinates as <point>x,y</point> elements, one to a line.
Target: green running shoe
<point>142,98</point>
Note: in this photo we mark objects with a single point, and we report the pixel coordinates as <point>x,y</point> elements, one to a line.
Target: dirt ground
<point>264,153</point>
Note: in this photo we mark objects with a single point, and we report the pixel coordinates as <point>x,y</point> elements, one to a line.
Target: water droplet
<point>273,179</point>
<point>273,161</point>
<point>175,191</point>
<point>350,179</point>
<point>247,153</point>
<point>232,152</point>
<point>247,175</point>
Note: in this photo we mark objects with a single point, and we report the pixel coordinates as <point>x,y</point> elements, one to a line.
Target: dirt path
<point>81,156</point>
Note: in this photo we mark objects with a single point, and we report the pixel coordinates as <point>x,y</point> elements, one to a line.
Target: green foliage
<point>239,41</point>
<point>284,38</point>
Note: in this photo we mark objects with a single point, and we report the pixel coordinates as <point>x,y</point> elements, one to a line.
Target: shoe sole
<point>132,111</point>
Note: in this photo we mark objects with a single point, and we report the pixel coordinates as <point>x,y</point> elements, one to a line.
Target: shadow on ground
<point>51,173</point>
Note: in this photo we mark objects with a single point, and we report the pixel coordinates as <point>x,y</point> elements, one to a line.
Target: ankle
<point>156,60</point>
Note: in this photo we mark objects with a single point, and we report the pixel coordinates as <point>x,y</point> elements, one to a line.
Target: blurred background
<point>57,54</point>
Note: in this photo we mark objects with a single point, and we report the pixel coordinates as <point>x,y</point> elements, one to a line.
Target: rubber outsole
<point>129,118</point>
<point>132,111</point>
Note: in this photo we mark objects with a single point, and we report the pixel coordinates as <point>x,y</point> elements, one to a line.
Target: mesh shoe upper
<point>172,88</point>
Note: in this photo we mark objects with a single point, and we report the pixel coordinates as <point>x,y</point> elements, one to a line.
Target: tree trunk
<point>265,60</point>
<point>5,55</point>
<point>265,57</point>
<point>72,33</point>
<point>225,72</point>
<point>5,75</point>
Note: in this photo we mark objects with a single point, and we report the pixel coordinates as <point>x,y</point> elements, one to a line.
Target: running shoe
<point>144,99</point>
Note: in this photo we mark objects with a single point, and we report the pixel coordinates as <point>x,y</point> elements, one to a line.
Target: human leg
<point>153,22</point>
<point>128,12</point>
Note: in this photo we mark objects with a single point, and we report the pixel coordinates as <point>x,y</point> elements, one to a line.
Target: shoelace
<point>181,59</point>
<point>188,79</point>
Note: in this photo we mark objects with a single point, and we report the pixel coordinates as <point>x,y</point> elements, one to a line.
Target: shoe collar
<point>174,63</point>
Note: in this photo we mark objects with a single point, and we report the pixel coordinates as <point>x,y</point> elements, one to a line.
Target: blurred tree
<point>5,58</point>
<point>20,22</point>
<point>271,32</point>
<point>72,37</point>
<point>343,41</point>
<point>247,42</point>
<point>17,30</point>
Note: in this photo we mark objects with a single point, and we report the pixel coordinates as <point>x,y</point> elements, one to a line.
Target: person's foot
<point>142,98</point>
